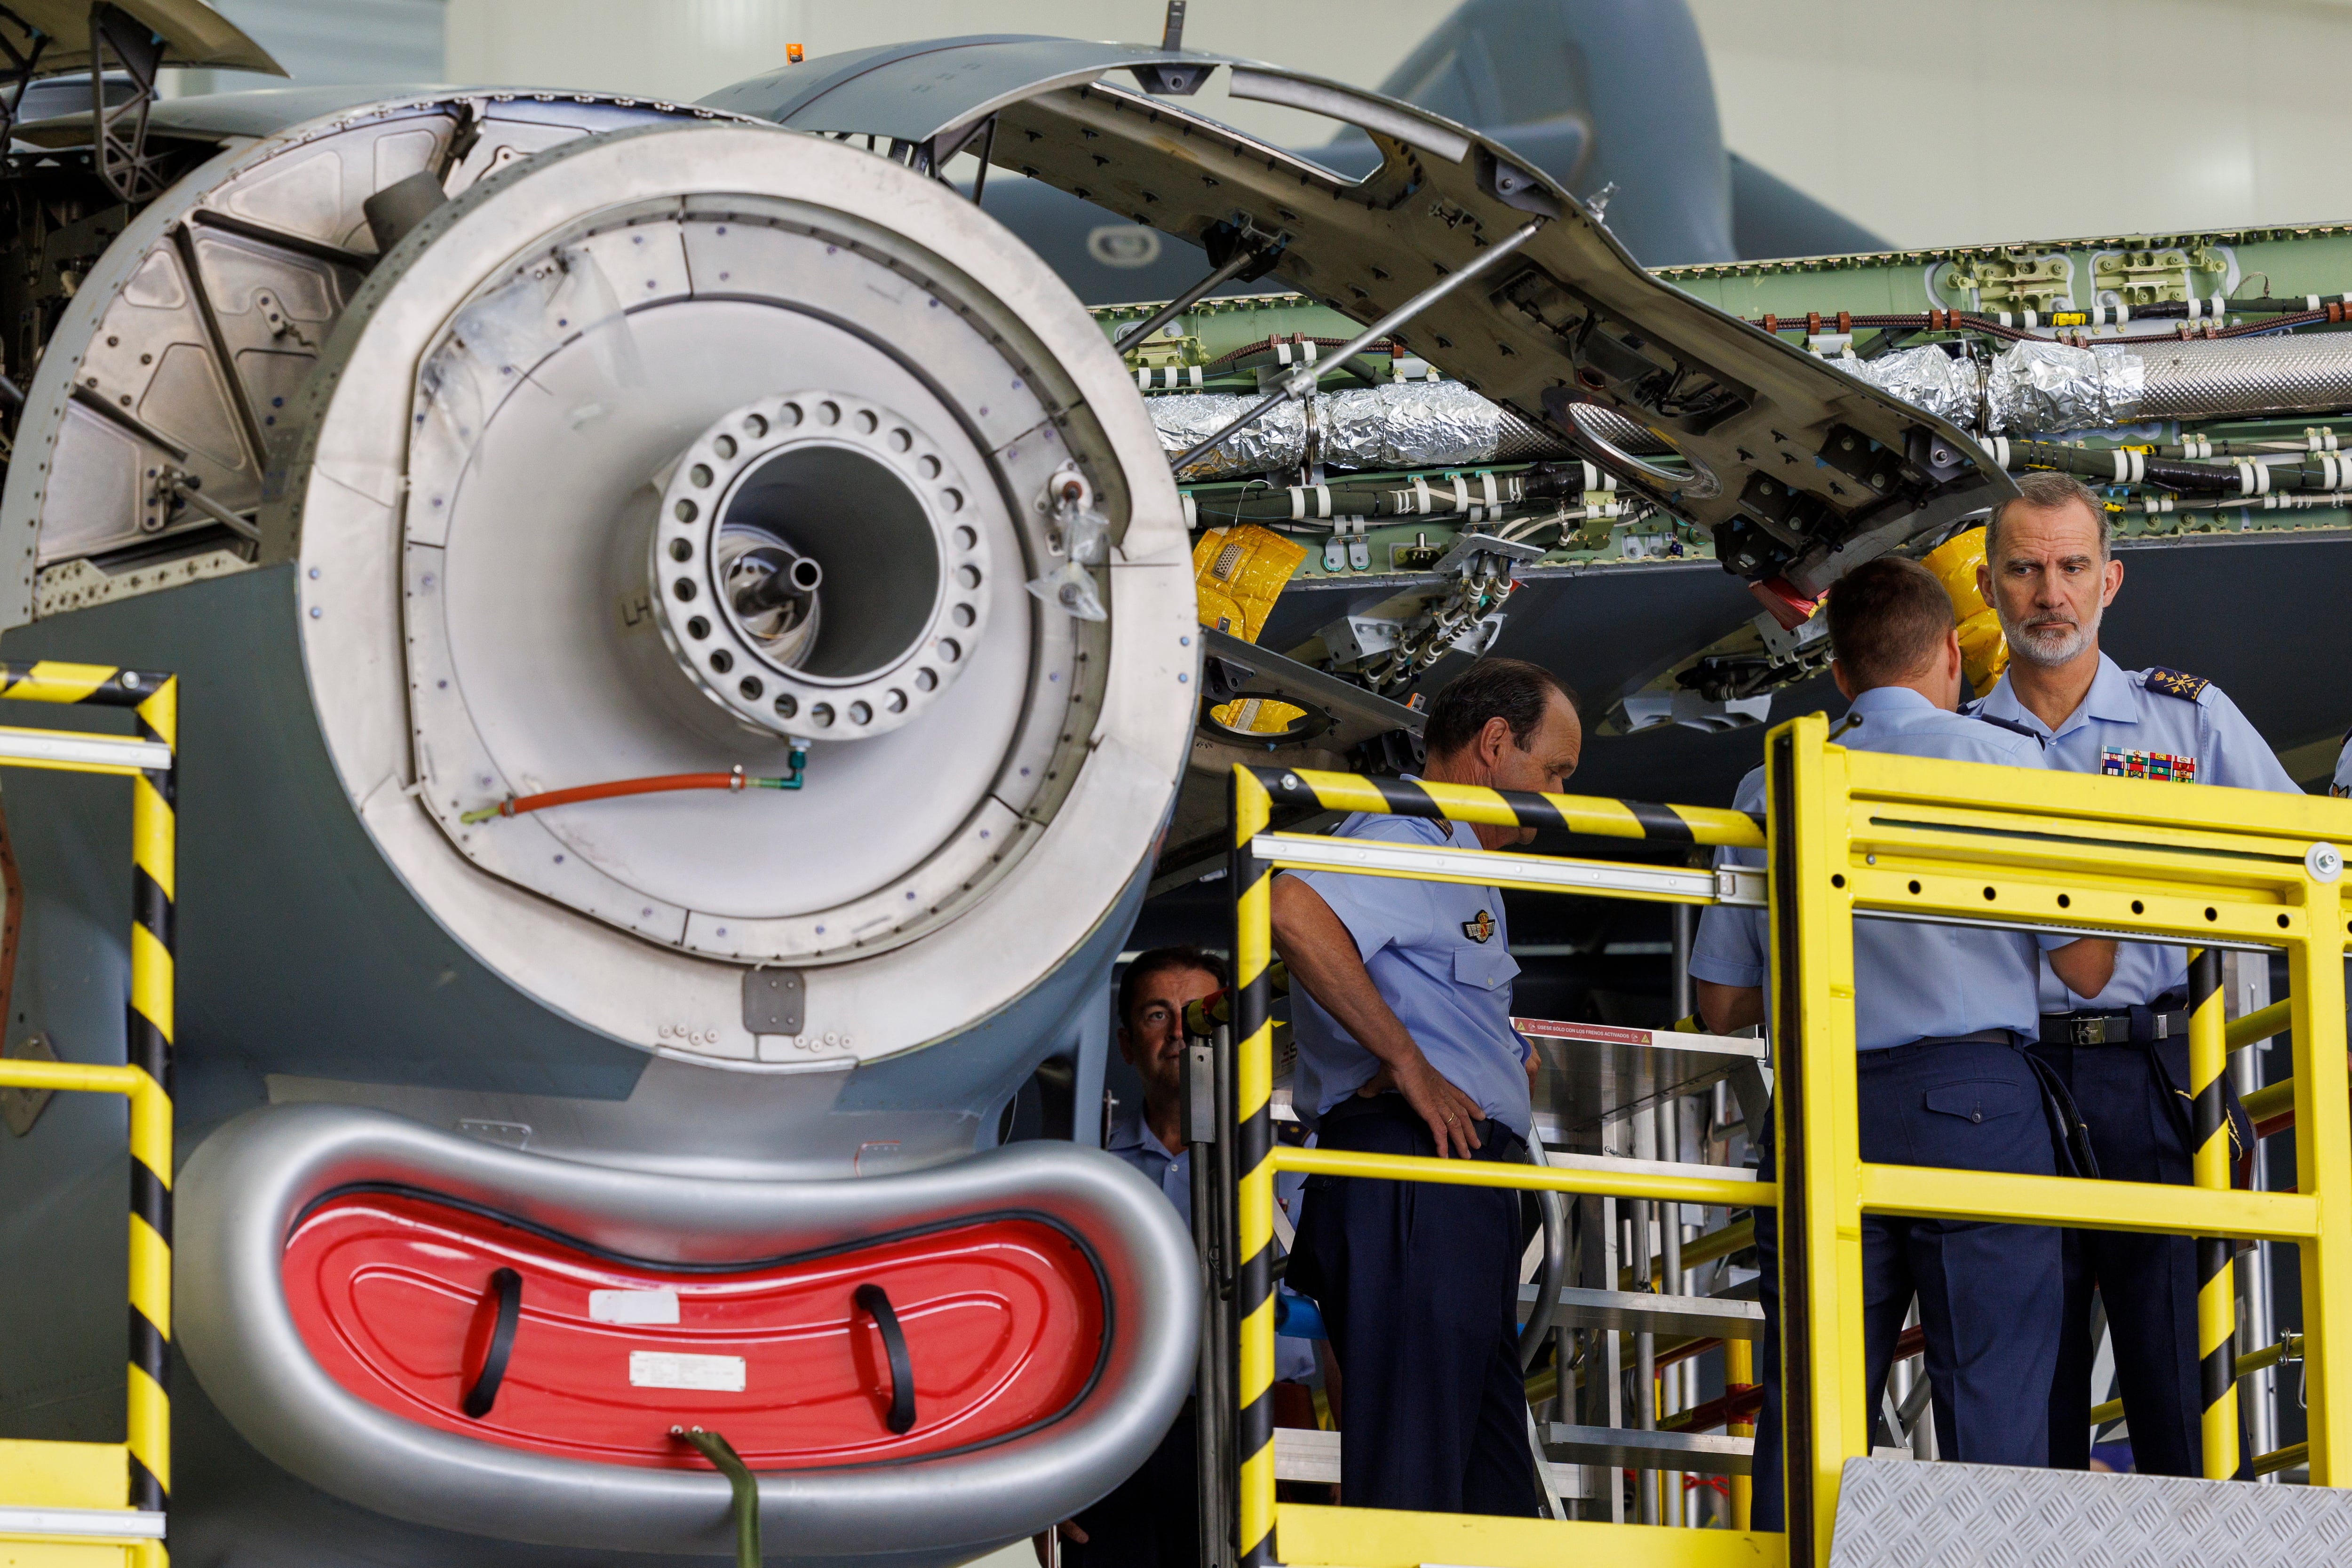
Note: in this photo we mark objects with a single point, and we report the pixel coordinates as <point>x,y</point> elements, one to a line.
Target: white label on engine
<point>632,1306</point>
<point>667,1369</point>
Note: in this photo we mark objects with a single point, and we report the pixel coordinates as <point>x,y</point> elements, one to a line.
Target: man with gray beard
<point>2048,573</point>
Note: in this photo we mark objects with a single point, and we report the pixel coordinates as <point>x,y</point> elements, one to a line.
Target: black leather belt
<point>2113,1028</point>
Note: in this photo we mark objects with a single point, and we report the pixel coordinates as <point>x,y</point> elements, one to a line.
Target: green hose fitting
<point>722,1455</point>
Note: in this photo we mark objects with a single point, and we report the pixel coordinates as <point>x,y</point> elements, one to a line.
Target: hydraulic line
<point>2284,315</point>
<point>2296,473</point>
<point>740,1482</point>
<point>517,805</point>
<point>1267,346</point>
<point>1475,492</point>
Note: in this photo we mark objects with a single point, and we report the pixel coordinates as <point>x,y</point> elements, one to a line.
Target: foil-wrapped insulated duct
<point>1277,440</point>
<point>2032,387</point>
<point>2042,386</point>
<point>1424,424</point>
<point>1405,424</point>
<point>1939,382</point>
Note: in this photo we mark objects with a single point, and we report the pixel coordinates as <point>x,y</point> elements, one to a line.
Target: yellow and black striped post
<point>2217,1294</point>
<point>1253,1109</point>
<point>154,699</point>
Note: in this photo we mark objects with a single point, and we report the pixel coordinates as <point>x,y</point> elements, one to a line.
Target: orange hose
<point>665,782</point>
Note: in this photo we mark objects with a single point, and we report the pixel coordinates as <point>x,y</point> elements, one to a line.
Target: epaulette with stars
<point>2175,683</point>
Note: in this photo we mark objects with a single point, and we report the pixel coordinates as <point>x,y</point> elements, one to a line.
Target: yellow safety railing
<point>65,1504</point>
<point>1889,837</point>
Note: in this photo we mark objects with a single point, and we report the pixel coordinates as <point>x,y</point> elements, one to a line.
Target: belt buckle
<point>2088,1031</point>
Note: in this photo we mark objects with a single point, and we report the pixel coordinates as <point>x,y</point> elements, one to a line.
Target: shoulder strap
<point>2036,736</point>
<point>2175,683</point>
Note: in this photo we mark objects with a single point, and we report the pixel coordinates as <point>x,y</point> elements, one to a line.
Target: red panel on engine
<point>393,1293</point>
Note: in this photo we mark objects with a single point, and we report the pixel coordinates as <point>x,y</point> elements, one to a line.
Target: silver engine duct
<point>2041,386</point>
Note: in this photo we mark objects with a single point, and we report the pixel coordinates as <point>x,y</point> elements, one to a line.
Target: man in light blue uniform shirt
<point>1152,1520</point>
<point>1941,1013</point>
<point>1400,999</point>
<point>2049,574</point>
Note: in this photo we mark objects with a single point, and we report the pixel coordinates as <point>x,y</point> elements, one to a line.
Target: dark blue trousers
<point>1419,1285</point>
<point>1989,1294</point>
<point>1153,1520</point>
<point>2149,1282</point>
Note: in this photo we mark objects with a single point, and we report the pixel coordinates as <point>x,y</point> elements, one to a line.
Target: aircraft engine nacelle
<point>683,724</point>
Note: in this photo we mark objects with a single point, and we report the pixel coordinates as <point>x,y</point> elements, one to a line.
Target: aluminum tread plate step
<point>1980,1516</point>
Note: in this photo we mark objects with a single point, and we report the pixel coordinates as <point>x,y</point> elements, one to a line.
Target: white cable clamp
<point>1461,493</point>
<point>1143,378</point>
<point>2196,445</point>
<point>2004,317</point>
<point>2000,451</point>
<point>1196,378</point>
<point>1420,496</point>
<point>1486,488</point>
<point>2311,303</point>
<point>2031,320</point>
<point>1192,512</point>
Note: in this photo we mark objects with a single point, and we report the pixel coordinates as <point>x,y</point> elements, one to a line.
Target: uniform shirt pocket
<point>1979,1099</point>
<point>1483,968</point>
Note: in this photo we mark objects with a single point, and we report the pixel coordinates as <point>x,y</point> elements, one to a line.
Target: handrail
<point>116,1492</point>
<point>1893,838</point>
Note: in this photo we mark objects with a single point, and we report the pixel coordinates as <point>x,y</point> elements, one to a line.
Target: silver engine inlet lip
<point>858,498</point>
